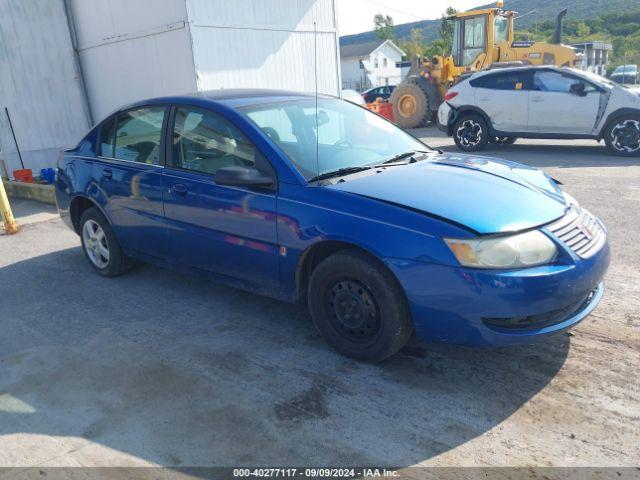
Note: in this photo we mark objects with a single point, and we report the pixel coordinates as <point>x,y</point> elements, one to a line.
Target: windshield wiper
<point>401,156</point>
<point>396,160</point>
<point>339,173</point>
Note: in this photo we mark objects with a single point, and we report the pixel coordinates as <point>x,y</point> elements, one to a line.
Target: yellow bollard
<point>10,225</point>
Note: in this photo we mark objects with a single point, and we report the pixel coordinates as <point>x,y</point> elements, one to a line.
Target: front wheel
<point>622,136</point>
<point>471,133</point>
<point>359,307</point>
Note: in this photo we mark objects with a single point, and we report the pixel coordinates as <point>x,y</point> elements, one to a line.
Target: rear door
<point>128,177</point>
<point>227,230</point>
<point>556,109</point>
<point>504,97</point>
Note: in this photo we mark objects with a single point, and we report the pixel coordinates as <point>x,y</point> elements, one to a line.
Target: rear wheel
<point>410,105</point>
<point>100,245</point>
<point>471,133</point>
<point>359,307</point>
<point>622,136</point>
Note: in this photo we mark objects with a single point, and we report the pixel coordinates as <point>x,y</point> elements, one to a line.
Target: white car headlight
<point>515,251</point>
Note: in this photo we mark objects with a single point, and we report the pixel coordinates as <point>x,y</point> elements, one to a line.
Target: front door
<point>227,230</point>
<point>558,107</point>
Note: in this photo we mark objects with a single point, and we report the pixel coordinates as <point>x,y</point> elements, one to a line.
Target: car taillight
<point>450,96</point>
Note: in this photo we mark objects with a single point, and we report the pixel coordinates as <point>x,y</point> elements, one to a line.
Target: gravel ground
<point>156,368</point>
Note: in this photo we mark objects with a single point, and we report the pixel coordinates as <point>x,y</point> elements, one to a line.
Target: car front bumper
<point>498,308</point>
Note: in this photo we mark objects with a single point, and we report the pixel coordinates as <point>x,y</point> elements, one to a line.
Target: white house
<point>65,64</point>
<point>371,64</point>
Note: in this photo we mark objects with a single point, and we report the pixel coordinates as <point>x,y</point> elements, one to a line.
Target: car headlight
<point>514,251</point>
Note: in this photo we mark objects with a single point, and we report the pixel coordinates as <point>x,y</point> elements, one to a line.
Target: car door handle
<point>537,99</point>
<point>107,173</point>
<point>179,189</point>
<point>484,99</point>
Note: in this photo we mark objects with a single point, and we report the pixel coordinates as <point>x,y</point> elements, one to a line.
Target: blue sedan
<point>319,201</point>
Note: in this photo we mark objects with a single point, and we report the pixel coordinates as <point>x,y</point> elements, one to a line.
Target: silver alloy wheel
<point>469,133</point>
<point>95,243</point>
<point>625,136</point>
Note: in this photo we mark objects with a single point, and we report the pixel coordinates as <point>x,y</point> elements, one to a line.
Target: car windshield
<point>344,137</point>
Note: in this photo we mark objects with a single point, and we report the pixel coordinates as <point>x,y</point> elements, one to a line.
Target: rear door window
<point>139,135</point>
<point>503,81</point>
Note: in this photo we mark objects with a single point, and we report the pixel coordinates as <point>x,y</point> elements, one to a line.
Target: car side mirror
<point>578,89</point>
<point>242,177</point>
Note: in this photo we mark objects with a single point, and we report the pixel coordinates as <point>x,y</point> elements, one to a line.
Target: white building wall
<point>391,73</point>
<point>265,44</point>
<point>133,49</point>
<point>39,84</point>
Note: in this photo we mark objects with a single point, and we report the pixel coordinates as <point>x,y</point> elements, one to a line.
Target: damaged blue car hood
<point>484,194</point>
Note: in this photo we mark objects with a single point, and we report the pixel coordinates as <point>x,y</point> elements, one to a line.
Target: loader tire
<point>410,105</point>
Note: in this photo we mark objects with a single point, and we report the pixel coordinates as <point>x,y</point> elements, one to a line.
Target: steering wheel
<point>343,143</point>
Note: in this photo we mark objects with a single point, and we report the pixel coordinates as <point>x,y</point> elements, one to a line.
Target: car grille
<point>580,231</point>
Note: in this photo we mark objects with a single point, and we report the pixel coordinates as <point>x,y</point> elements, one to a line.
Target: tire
<point>100,245</point>
<point>503,140</point>
<point>622,136</point>
<point>359,307</point>
<point>471,133</point>
<point>410,105</point>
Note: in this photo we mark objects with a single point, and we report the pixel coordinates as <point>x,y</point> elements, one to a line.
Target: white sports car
<point>503,104</point>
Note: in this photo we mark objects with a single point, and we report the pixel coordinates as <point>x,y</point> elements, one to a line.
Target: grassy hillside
<point>545,10</point>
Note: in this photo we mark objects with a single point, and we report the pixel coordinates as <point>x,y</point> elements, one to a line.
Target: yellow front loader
<point>481,39</point>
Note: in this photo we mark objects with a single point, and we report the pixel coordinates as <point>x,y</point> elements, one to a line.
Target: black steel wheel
<point>354,311</point>
<point>358,306</point>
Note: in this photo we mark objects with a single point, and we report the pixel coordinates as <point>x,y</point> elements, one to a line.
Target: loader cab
<point>472,31</point>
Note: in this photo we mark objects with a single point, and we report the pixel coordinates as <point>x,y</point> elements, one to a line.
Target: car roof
<point>517,68</point>
<point>232,97</point>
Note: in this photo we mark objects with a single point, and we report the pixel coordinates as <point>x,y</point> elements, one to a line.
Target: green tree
<point>383,26</point>
<point>414,47</point>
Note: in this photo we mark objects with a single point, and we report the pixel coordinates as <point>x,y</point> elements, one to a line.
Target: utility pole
<point>10,225</point>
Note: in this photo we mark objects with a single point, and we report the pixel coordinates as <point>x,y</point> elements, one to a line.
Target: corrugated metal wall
<point>39,83</point>
<point>265,44</point>
<point>133,49</point>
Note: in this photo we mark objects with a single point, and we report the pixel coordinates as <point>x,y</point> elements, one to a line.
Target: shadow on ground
<point>179,371</point>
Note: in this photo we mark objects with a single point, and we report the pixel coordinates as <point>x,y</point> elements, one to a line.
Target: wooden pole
<point>10,225</point>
